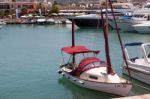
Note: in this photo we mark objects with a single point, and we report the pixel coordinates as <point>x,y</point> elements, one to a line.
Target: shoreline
<point>34,20</point>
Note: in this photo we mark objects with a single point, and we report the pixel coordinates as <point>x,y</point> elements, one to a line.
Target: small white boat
<point>2,22</point>
<point>41,21</point>
<point>68,21</point>
<point>58,22</point>
<point>50,21</point>
<point>138,59</point>
<point>143,27</point>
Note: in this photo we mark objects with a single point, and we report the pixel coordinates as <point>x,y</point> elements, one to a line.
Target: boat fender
<point>63,74</point>
<point>59,71</point>
<point>81,82</point>
<point>68,77</point>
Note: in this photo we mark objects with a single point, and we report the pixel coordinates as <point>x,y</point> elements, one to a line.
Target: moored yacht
<point>95,20</point>
<point>88,21</point>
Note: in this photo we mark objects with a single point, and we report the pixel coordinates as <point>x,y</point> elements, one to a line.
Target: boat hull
<point>120,89</point>
<point>143,77</point>
<point>142,29</point>
<point>87,23</point>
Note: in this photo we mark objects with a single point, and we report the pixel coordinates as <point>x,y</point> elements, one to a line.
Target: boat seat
<point>133,59</point>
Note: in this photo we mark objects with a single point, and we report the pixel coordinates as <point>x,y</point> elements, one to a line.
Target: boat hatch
<point>93,77</point>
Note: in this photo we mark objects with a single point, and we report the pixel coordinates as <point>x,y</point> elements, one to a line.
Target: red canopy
<point>77,50</point>
<point>87,61</point>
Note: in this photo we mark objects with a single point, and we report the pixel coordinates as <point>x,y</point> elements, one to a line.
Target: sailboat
<point>92,72</point>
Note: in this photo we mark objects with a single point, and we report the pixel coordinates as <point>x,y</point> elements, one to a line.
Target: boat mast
<point>105,30</point>
<point>73,40</point>
<point>119,37</point>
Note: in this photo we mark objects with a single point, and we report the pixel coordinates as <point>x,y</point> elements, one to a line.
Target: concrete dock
<point>145,96</point>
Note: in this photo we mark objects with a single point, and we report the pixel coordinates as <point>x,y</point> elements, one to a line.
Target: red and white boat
<point>91,73</point>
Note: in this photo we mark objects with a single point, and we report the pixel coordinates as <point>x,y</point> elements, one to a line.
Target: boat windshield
<point>134,52</point>
<point>147,51</point>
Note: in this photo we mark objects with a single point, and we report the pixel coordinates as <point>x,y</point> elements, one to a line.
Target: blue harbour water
<point>30,56</point>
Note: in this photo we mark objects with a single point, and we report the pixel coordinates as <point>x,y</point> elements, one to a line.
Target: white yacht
<point>95,20</point>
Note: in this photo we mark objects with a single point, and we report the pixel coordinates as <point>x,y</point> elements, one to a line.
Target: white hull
<point>121,89</point>
<point>142,29</point>
<point>123,25</point>
<point>126,26</point>
<point>143,77</point>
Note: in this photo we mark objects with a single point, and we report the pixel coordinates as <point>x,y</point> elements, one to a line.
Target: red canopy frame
<point>78,50</point>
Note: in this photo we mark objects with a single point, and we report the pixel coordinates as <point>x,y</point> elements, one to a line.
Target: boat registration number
<point>120,85</point>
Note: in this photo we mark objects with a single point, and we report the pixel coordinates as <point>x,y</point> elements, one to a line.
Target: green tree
<point>2,13</point>
<point>24,10</point>
<point>55,9</point>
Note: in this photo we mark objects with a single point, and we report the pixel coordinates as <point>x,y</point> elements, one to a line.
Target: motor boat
<point>138,61</point>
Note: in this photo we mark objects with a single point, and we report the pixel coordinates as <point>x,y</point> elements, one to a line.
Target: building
<point>17,5</point>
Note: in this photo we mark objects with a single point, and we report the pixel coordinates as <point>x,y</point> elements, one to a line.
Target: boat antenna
<point>105,32</point>
<point>73,40</point>
<point>119,37</point>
